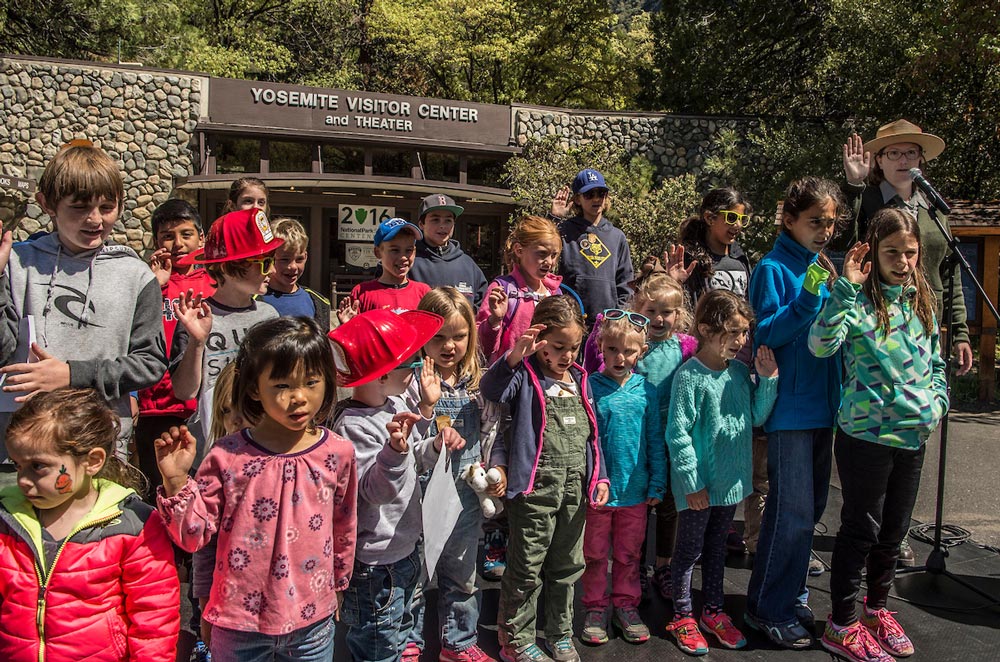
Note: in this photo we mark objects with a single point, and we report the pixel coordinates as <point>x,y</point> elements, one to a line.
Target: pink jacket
<point>495,342</point>
<point>287,526</point>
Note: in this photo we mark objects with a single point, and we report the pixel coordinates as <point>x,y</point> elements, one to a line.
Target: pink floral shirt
<point>287,527</point>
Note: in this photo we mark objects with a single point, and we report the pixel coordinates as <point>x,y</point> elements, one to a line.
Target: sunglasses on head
<point>595,193</point>
<point>733,218</point>
<point>265,264</point>
<point>636,319</point>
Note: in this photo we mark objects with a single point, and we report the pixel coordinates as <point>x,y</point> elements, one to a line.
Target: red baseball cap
<point>236,236</point>
<point>375,342</point>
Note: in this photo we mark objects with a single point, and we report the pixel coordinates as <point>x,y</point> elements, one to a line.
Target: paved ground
<point>972,477</point>
<point>946,621</point>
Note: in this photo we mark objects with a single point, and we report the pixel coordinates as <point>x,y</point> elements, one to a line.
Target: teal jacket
<point>710,430</point>
<point>895,391</point>
<point>628,423</point>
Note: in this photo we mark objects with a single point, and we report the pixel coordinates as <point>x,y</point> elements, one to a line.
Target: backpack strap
<point>571,292</point>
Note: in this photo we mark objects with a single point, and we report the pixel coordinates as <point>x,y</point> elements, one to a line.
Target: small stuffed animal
<point>479,479</point>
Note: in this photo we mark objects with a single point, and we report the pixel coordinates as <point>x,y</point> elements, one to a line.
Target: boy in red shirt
<point>177,231</point>
<point>396,246</point>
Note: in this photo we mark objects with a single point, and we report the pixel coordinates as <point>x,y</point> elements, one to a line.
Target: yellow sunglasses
<point>733,218</point>
<point>265,264</point>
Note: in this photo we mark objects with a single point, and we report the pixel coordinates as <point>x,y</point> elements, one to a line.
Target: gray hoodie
<point>100,311</point>
<point>390,521</point>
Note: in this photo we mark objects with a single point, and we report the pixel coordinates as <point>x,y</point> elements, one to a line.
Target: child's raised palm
<point>673,260</point>
<point>527,344</point>
<point>856,269</point>
<point>175,453</point>
<point>348,310</point>
<point>765,363</point>
<point>161,264</point>
<point>195,314</point>
<point>430,384</point>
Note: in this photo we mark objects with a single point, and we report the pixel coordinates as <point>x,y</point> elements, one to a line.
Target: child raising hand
<point>281,495</point>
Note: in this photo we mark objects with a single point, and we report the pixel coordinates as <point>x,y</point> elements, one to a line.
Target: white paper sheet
<point>441,509</point>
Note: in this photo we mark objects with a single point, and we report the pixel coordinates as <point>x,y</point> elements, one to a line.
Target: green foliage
<point>765,160</point>
<point>649,214</point>
<point>549,52</point>
<point>934,63</point>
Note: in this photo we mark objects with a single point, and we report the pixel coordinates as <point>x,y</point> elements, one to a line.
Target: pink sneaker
<point>471,654</point>
<point>721,627</point>
<point>853,643</point>
<point>689,639</point>
<point>887,631</point>
<point>411,653</point>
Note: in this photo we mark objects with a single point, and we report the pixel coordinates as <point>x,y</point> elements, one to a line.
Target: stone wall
<point>146,120</point>
<point>674,144</point>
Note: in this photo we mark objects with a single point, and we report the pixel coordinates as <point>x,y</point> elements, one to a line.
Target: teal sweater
<point>628,423</point>
<point>895,392</point>
<point>660,364</point>
<point>709,431</point>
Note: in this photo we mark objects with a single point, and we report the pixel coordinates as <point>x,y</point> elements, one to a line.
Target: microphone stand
<point>935,563</point>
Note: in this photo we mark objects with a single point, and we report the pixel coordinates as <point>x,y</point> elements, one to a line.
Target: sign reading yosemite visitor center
<point>314,109</point>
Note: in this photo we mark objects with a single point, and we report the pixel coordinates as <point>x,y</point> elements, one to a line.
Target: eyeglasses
<point>265,264</point>
<point>636,319</point>
<point>595,193</point>
<point>412,365</point>
<point>733,218</point>
<point>895,154</point>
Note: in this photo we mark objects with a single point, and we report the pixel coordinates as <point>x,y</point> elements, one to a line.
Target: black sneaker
<point>735,543</point>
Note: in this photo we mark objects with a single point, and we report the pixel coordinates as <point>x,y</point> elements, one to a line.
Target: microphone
<point>928,190</point>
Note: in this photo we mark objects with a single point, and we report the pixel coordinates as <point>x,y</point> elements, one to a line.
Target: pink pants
<point>620,530</point>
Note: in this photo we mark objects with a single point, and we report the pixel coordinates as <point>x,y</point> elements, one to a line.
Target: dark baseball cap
<point>439,201</point>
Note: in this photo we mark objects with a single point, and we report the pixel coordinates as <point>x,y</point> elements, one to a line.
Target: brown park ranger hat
<point>902,131</point>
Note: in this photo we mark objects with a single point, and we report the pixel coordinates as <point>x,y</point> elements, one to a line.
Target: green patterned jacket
<point>894,389</point>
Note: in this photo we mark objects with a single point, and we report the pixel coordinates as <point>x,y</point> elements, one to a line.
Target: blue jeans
<point>798,469</point>
<point>377,608</point>
<point>312,643</point>
<point>458,598</point>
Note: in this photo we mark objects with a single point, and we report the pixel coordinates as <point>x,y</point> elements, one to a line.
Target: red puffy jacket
<point>111,594</point>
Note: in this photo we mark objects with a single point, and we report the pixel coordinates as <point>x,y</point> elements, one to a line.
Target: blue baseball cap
<point>389,228</point>
<point>588,179</point>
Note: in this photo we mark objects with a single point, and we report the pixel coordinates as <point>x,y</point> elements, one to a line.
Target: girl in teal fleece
<point>713,407</point>
<point>895,398</point>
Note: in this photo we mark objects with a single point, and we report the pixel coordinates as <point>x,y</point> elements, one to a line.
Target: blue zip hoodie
<point>521,388</point>
<point>808,387</point>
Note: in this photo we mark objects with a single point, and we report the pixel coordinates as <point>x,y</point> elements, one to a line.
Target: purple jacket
<point>521,388</point>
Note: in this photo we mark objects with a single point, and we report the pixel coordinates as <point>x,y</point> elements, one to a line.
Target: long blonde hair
<point>448,302</point>
<point>222,401</point>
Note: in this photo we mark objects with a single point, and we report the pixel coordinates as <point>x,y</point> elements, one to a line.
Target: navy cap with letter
<point>588,179</point>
